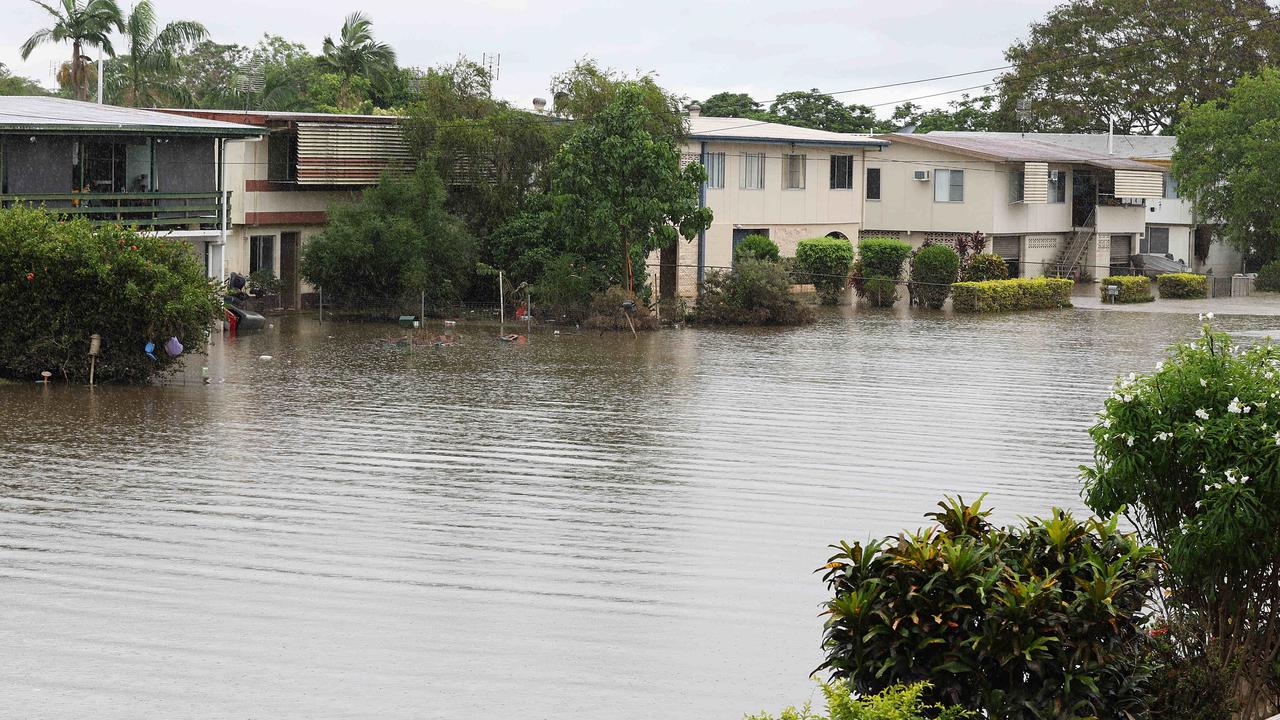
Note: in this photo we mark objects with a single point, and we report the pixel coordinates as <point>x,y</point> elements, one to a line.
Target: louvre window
<point>715,170</point>
<point>841,172</point>
<point>752,172</point>
<point>793,167</point>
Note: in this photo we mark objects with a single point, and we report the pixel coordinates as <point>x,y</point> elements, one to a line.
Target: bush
<point>900,702</point>
<point>1190,682</point>
<point>825,262</point>
<point>755,292</point>
<point>878,268</point>
<point>1190,453</point>
<point>609,312</point>
<point>756,247</point>
<point>264,283</point>
<point>61,282</point>
<point>983,267</point>
<point>1132,288</point>
<point>1042,619</point>
<point>1268,277</point>
<point>1183,285</point>
<point>933,270</point>
<point>1017,294</point>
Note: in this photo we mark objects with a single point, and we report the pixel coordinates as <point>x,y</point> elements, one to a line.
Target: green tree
<point>812,109</point>
<point>1226,155</point>
<point>975,114</point>
<point>356,54</point>
<point>11,84</point>
<point>729,104</point>
<point>85,24</point>
<point>1135,60</point>
<point>588,89</point>
<point>150,69</point>
<point>208,74</point>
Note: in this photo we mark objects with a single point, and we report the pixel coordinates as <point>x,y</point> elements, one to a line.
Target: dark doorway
<point>289,246</point>
<point>667,272</point>
<point>740,234</point>
<point>1084,198</point>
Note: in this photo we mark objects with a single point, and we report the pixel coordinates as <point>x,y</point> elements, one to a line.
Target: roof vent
<point>540,104</point>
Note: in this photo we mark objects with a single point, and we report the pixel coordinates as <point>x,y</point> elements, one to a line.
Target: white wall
<point>908,204</point>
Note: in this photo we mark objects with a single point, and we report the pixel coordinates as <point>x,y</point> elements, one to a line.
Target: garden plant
<point>933,269</point>
<point>1183,285</point>
<point>1130,288</point>
<point>758,247</point>
<point>825,262</point>
<point>878,269</point>
<point>1017,294</point>
<point>898,702</point>
<point>754,292</point>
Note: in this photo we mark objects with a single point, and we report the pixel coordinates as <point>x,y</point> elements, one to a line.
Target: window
<point>262,253</point>
<point>752,172</point>
<point>841,172</point>
<point>715,170</point>
<point>948,186</point>
<point>1057,186</point>
<point>1156,241</point>
<point>1170,187</point>
<point>793,172</point>
<point>873,183</point>
<point>1017,183</point>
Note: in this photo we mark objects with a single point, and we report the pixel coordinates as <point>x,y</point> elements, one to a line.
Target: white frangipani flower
<point>1202,414</point>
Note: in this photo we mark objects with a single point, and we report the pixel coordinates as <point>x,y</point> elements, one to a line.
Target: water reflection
<point>581,526</point>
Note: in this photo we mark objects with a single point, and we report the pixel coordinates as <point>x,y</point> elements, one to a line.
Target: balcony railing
<point>173,211</point>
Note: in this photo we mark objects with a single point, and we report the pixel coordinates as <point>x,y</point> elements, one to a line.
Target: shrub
<point>1042,619</point>
<point>899,702</point>
<point>61,282</point>
<point>1017,294</point>
<point>608,311</point>
<point>1190,453</point>
<point>878,268</point>
<point>933,270</point>
<point>263,283</point>
<point>1268,277</point>
<point>1183,285</point>
<point>825,262</point>
<point>755,292</point>
<point>757,247</point>
<point>1132,288</point>
<point>983,267</point>
<point>1190,682</point>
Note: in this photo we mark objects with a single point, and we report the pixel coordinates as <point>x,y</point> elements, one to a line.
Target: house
<point>786,182</point>
<point>1047,208</point>
<point>156,171</point>
<point>303,165</point>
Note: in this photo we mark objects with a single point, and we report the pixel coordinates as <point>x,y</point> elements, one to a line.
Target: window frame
<point>1063,180</point>
<point>951,185</point>
<point>748,159</point>
<point>1017,186</point>
<point>789,171</point>
<point>1145,245</point>
<point>869,185</point>
<point>846,173</point>
<point>255,249</point>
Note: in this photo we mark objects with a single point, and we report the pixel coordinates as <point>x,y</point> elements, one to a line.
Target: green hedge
<point>757,247</point>
<point>878,268</point>
<point>1133,288</point>
<point>933,270</point>
<point>1017,294</point>
<point>1183,285</point>
<point>825,261</point>
<point>1268,277</point>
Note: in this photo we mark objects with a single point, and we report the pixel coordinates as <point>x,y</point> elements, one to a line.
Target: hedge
<point>1016,294</point>
<point>878,268</point>
<point>758,247</point>
<point>933,269</point>
<point>1183,285</point>
<point>1268,277</point>
<point>1133,288</point>
<point>826,262</point>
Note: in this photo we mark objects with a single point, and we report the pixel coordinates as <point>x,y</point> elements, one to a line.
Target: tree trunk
<point>77,70</point>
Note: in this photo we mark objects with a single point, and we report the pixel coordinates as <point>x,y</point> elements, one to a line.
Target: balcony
<point>159,210</point>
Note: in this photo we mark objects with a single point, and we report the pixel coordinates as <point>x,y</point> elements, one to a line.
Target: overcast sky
<point>696,49</point>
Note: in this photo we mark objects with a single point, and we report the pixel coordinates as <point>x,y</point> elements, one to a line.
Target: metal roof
<point>31,114</point>
<point>1015,147</point>
<point>1156,148</point>
<point>743,130</point>
<point>264,117</point>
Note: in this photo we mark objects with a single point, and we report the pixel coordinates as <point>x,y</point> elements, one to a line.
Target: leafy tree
<point>88,23</point>
<point>1136,60</point>
<point>755,292</point>
<point>968,114</point>
<point>812,109</point>
<point>1225,159</point>
<point>356,54</point>
<point>933,269</point>
<point>899,702</point>
<point>729,104</point>
<point>587,89</point>
<point>149,72</point>
<point>208,74</point>
<point>11,84</point>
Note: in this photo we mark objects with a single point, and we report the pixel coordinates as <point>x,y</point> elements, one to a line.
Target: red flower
<point>133,247</point>
<point>31,276</point>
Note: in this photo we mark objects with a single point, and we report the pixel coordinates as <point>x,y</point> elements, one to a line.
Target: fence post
<point>320,292</point>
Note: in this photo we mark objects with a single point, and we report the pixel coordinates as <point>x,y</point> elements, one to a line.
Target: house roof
<point>31,114</point>
<point>263,118</point>
<point>743,130</point>
<point>1154,148</point>
<point>1014,147</point>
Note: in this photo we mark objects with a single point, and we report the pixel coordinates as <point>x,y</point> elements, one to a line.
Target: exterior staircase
<point>1069,261</point>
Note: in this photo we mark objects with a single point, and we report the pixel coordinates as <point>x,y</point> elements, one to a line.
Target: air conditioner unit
<point>1055,175</point>
<point>920,175</point>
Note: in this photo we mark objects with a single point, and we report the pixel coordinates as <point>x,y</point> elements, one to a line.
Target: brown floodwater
<point>580,526</point>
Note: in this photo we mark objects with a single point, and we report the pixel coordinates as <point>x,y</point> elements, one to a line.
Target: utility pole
<point>99,74</point>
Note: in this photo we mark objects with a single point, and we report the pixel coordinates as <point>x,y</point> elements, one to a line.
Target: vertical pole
<point>1111,128</point>
<point>702,234</point>
<point>502,304</point>
<point>320,293</point>
<point>226,200</point>
<point>93,362</point>
<point>423,310</point>
<point>99,75</point>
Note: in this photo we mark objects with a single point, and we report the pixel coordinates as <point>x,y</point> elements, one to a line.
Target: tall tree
<point>730,104</point>
<point>1226,159</point>
<point>974,114</point>
<point>588,89</point>
<point>11,84</point>
<point>85,24</point>
<point>1138,61</point>
<point>813,109</point>
<point>356,54</point>
<point>151,66</point>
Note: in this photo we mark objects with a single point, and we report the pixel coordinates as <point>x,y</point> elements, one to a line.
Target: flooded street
<point>583,526</point>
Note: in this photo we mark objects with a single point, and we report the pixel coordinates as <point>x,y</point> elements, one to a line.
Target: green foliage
<point>729,104</point>
<point>356,54</point>
<point>825,262</point>
<point>898,702</point>
<point>1183,285</point>
<point>758,247</point>
<point>1094,58</point>
<point>754,292</point>
<point>608,311</point>
<point>1131,288</point>
<point>145,76</point>
<point>1189,682</point>
<point>86,23</point>
<point>1017,294</point>
<point>1268,277</point>
<point>11,84</point>
<point>1190,453</point>
<point>264,282</point>
<point>60,282</point>
<point>394,244</point>
<point>972,114</point>
<point>878,269</point>
<point>981,267</point>
<point>587,90</point>
<point>1226,155</point>
<point>812,109</point>
<point>933,269</point>
<point>1043,619</point>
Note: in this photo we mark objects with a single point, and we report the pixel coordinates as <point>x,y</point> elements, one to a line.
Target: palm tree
<point>357,54</point>
<point>83,22</point>
<point>152,62</point>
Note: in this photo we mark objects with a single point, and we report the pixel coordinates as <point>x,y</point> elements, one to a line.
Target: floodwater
<point>580,526</point>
